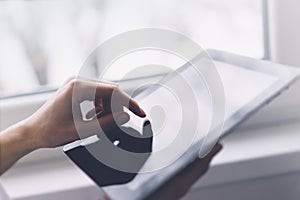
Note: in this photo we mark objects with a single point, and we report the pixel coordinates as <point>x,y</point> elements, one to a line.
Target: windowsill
<point>256,153</point>
<point>247,154</point>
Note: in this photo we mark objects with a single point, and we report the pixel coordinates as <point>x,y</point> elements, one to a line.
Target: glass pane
<point>44,42</point>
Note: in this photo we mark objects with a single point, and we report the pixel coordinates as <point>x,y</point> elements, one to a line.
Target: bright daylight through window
<point>45,42</point>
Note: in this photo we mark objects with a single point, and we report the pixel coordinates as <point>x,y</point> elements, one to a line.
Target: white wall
<point>284,24</point>
<point>284,36</point>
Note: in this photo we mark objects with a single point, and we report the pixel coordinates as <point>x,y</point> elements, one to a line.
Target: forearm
<point>15,142</point>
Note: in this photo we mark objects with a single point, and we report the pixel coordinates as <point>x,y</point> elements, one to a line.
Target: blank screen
<point>241,86</point>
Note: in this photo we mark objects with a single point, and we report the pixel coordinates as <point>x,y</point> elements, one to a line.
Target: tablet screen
<point>241,86</point>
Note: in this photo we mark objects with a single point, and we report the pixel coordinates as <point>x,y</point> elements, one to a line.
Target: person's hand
<point>180,184</point>
<point>53,124</point>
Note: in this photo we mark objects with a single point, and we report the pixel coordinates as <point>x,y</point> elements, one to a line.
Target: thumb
<point>147,129</point>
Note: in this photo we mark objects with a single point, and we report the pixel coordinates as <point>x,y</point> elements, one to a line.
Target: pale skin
<point>53,126</point>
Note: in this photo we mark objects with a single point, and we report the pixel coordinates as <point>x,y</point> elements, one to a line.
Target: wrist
<point>16,142</point>
<point>27,137</point>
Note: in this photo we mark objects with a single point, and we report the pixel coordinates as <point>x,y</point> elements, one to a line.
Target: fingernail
<point>147,129</point>
<point>220,147</point>
<point>147,123</point>
<point>143,112</point>
<point>122,118</point>
<point>217,149</point>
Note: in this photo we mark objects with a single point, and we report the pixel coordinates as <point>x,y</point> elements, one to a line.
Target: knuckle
<point>72,83</point>
<point>72,78</point>
<point>116,88</point>
<point>70,86</point>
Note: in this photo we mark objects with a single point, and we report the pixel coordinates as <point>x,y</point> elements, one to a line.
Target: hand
<point>129,140</point>
<point>53,124</point>
<point>180,184</point>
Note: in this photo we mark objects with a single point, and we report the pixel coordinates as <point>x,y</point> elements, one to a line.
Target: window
<point>44,42</point>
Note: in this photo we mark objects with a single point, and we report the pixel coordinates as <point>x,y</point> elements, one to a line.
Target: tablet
<point>248,85</point>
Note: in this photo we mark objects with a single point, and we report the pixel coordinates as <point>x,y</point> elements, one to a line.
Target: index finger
<point>93,90</point>
<point>127,101</point>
